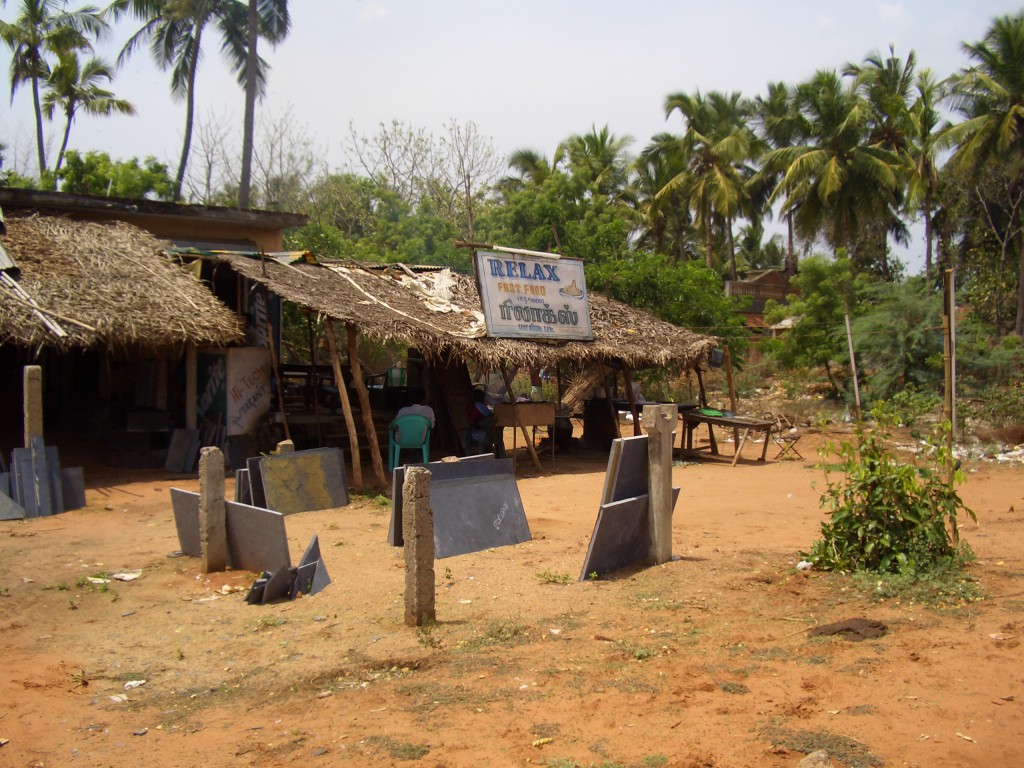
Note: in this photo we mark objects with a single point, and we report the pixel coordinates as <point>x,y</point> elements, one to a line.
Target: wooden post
<point>191,396</point>
<point>33,399</point>
<point>658,423</point>
<point>346,407</point>
<point>732,396</point>
<point>213,536</point>
<point>632,401</point>
<point>949,359</point>
<point>608,399</point>
<point>276,367</point>
<point>313,380</point>
<point>418,535</point>
<point>853,360</point>
<point>511,398</point>
<point>364,402</point>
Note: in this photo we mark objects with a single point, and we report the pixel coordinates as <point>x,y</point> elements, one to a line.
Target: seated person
<point>419,409</point>
<point>480,432</point>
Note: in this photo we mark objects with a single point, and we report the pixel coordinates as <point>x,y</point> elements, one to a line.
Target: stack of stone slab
<point>299,481</point>
<point>37,486</point>
<point>307,578</point>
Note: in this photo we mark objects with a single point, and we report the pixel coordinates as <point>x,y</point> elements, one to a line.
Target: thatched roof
<point>439,313</point>
<point>103,284</point>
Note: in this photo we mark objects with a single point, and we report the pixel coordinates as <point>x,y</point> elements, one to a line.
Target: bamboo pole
<point>313,380</point>
<point>364,402</point>
<point>627,375</point>
<point>277,368</point>
<point>853,360</point>
<point>608,398</point>
<point>732,397</point>
<point>346,407</point>
<point>515,412</point>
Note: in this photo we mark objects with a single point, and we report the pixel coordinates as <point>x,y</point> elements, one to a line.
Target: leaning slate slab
<point>472,466</point>
<point>302,481</point>
<point>258,498</point>
<point>477,513</point>
<point>621,535</point>
<point>10,509</point>
<point>626,476</point>
<point>72,482</point>
<point>186,520</point>
<point>256,538</point>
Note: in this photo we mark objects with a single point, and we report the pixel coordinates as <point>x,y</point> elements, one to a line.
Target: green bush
<point>886,515</point>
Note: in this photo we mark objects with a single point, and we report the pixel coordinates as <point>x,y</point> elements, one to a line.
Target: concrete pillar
<point>213,535</point>
<point>418,532</point>
<point>659,421</point>
<point>33,398</point>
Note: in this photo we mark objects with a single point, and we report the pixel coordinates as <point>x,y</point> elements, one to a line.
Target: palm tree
<point>44,28</point>
<point>990,95</point>
<point>269,19</point>
<point>663,221</point>
<point>718,144</point>
<point>597,158</point>
<point>174,30</point>
<point>73,86</point>
<point>837,183</point>
<point>925,143</point>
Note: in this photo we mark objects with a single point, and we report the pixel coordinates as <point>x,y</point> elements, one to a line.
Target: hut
<point>438,314</point>
<point>106,311</point>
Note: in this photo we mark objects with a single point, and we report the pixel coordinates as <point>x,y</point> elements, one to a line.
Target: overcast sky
<point>528,73</point>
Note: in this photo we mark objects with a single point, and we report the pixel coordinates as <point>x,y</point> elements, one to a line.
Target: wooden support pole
<point>33,399</point>
<point>418,547</point>
<point>853,360</point>
<point>213,536</point>
<point>627,375</point>
<point>949,359</point>
<point>727,359</point>
<point>608,399</point>
<point>364,403</point>
<point>276,366</point>
<point>512,399</point>
<point>659,421</point>
<point>313,380</point>
<point>346,407</point>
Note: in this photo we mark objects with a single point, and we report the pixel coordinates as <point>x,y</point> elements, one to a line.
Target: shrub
<point>885,514</point>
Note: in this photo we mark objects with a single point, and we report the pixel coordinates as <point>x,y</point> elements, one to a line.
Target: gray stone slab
<point>17,460</point>
<point>482,465</point>
<point>25,488</point>
<point>303,583</point>
<point>305,480</point>
<point>42,483</point>
<point>321,578</point>
<point>476,513</point>
<point>256,538</point>
<point>626,476</point>
<point>255,594</point>
<point>182,451</point>
<point>10,509</point>
<point>312,553</point>
<point>279,585</point>
<point>258,498</point>
<point>72,483</point>
<point>186,521</point>
<point>5,485</point>
<point>243,491</point>
<point>621,536</point>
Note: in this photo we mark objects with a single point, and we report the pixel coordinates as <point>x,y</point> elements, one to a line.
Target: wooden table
<point>530,415</point>
<point>693,419</point>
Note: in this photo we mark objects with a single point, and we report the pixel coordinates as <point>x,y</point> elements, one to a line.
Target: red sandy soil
<point>704,661</point>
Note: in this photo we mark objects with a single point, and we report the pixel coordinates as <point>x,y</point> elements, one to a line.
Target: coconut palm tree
<point>73,86</point>
<point>990,96</point>
<point>663,221</point>
<point>837,183</point>
<point>174,30</point>
<point>925,144</point>
<point>719,145</point>
<point>43,29</point>
<point>268,19</point>
<point>597,158</point>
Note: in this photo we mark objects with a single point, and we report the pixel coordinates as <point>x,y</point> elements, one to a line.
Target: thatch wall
<point>105,284</point>
<point>395,304</point>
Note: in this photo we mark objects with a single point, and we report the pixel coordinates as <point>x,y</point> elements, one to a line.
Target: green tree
<point>925,145</point>
<point>73,86</point>
<point>662,221</point>
<point>94,173</point>
<point>174,30</point>
<point>41,30</point>
<point>268,19</point>
<point>838,184</point>
<point>990,97</point>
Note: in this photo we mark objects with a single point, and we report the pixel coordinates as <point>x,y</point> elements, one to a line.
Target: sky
<point>527,73</point>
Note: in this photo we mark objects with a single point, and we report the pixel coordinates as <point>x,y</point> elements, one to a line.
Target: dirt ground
<point>704,661</point>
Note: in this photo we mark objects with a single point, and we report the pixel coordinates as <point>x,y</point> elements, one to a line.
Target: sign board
<point>234,387</point>
<point>532,296</point>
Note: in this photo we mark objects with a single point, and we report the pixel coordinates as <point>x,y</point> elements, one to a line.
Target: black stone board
<point>24,475</point>
<point>476,513</point>
<point>303,481</point>
<point>621,535</point>
<point>626,476</point>
<point>186,520</point>
<point>312,553</point>
<point>321,578</point>
<point>279,585</point>
<point>182,451</point>
<point>72,483</point>
<point>256,538</point>
<point>258,498</point>
<point>5,485</point>
<point>56,478</point>
<point>238,449</point>
<point>303,583</point>
<point>255,594</point>
<point>243,491</point>
<point>474,466</point>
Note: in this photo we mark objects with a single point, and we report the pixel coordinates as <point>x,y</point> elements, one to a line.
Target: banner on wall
<point>532,296</point>
<point>234,387</point>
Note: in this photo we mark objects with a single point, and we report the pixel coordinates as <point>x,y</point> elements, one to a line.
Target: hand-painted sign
<point>531,296</point>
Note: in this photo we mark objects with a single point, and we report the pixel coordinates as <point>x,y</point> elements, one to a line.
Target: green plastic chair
<point>409,431</point>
